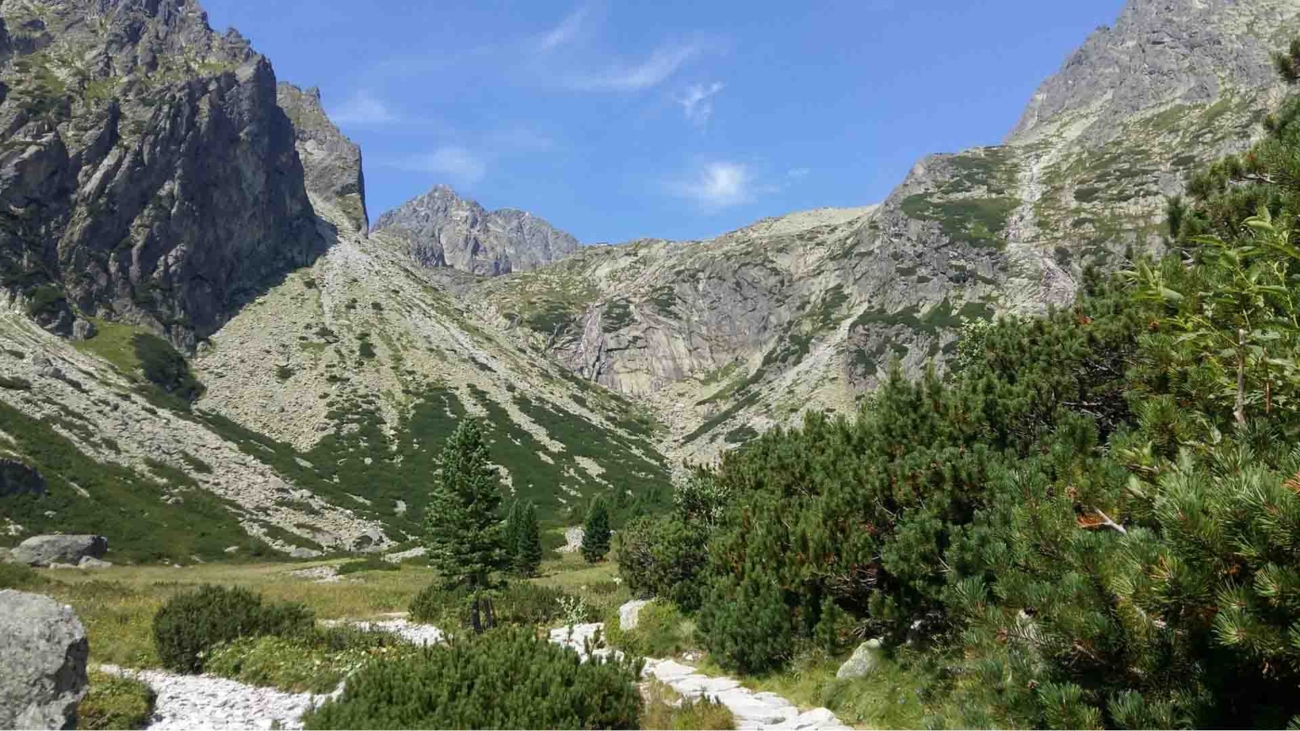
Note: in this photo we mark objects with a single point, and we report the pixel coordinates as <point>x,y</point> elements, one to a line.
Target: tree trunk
<point>1241,377</point>
<point>489,613</point>
<point>478,625</point>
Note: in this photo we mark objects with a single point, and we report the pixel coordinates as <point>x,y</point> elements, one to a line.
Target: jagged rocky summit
<point>331,161</point>
<point>442,229</point>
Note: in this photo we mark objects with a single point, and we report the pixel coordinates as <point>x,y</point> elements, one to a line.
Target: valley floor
<point>117,607</point>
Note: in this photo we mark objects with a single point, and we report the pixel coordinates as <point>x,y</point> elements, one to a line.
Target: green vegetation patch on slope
<point>978,222</point>
<point>126,507</point>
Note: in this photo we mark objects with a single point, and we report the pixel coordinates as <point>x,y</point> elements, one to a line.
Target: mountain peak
<point>1158,52</point>
<point>443,229</point>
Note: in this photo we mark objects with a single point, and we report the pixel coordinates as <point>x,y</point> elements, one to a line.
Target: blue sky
<point>673,119</point>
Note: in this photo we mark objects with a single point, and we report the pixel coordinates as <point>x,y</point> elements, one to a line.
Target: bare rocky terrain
<point>334,360</point>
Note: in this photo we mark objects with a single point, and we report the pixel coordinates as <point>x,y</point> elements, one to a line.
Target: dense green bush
<point>596,532</point>
<point>191,624</point>
<point>662,556</point>
<point>502,679</point>
<point>165,368</point>
<point>521,604</point>
<point>115,702</point>
<point>746,625</point>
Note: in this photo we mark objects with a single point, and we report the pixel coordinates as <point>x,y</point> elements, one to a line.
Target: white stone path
<point>208,702</point>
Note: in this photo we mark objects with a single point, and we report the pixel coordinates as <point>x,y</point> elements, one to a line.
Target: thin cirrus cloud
<point>565,33</point>
<point>363,109</point>
<point>697,102</point>
<point>651,72</point>
<point>717,185</point>
<point>458,164</point>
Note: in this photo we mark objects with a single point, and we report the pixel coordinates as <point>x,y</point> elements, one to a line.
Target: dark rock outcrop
<point>147,173</point>
<point>332,162</point>
<point>18,478</point>
<point>42,551</point>
<point>444,230</point>
<point>43,653</point>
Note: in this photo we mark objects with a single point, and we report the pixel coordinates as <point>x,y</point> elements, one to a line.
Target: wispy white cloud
<point>565,33</point>
<point>697,102</point>
<point>798,173</point>
<point>458,164</point>
<point>717,185</point>
<point>363,109</point>
<point>653,71</point>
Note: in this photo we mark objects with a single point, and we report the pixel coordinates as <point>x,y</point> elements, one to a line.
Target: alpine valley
<point>207,350</point>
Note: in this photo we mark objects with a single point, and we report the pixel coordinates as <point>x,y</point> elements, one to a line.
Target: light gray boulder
<point>865,661</point>
<point>88,562</point>
<point>43,551</point>
<point>43,652</point>
<point>629,614</point>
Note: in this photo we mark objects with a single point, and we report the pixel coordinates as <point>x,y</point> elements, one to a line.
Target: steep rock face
<point>727,339</point>
<point>43,653</point>
<point>444,230</point>
<point>332,161</point>
<point>146,171</point>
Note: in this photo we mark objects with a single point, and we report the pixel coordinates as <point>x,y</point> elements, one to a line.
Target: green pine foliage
<point>502,679</point>
<point>596,532</point>
<point>1090,523</point>
<point>462,530</point>
<point>191,624</point>
<point>528,543</point>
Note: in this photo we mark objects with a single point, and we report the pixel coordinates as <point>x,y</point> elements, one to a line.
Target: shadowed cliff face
<point>443,230</point>
<point>146,171</point>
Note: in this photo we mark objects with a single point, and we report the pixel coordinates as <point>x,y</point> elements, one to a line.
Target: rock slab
<point>42,551</point>
<point>629,614</point>
<point>864,662</point>
<point>43,652</point>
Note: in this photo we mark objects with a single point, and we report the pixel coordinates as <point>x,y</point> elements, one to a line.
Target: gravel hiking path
<point>205,701</point>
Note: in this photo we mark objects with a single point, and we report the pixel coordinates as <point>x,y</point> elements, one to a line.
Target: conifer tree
<point>463,532</point>
<point>510,535</point>
<point>596,532</point>
<point>528,542</point>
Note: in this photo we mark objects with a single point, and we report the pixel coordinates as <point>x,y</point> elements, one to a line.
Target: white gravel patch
<point>416,634</point>
<point>319,574</point>
<point>208,702</point>
<point>572,540</point>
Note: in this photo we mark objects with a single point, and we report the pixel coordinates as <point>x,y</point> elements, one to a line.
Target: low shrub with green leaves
<point>504,678</point>
<point>115,702</point>
<point>191,624</point>
<point>665,708</point>
<point>520,604</point>
<point>661,631</point>
<point>310,664</point>
<point>19,576</point>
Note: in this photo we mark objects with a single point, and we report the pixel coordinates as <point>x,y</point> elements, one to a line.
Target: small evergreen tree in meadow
<point>596,532</point>
<point>463,532</point>
<point>511,531</point>
<point>528,542</point>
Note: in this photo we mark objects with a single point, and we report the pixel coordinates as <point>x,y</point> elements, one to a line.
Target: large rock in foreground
<point>45,550</point>
<point>43,651</point>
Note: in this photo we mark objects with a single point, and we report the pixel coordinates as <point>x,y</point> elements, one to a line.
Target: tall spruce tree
<point>462,529</point>
<point>596,532</point>
<point>528,542</point>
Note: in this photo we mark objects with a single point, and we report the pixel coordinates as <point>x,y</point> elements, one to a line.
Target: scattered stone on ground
<point>864,662</point>
<point>416,634</point>
<point>89,562</point>
<point>752,710</point>
<point>319,574</point>
<point>401,556</point>
<point>43,651</point>
<point>205,701</point>
<point>629,614</point>
<point>572,540</point>
<point>43,551</point>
